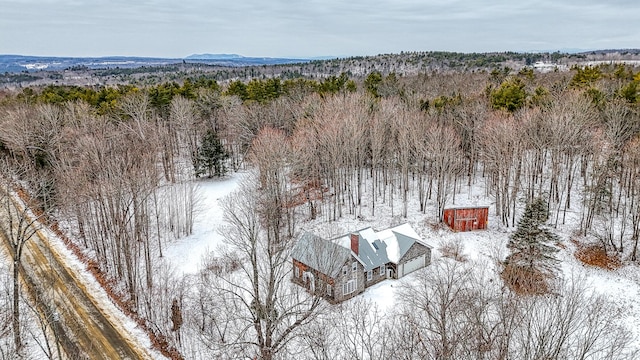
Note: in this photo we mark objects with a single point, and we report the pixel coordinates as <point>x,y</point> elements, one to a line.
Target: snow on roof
<point>467,207</point>
<point>406,230</point>
<point>369,255</point>
<point>368,234</point>
<point>393,249</point>
<point>398,239</point>
<point>344,241</point>
<point>381,247</point>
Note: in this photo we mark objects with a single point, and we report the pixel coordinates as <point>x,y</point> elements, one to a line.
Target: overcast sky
<point>309,28</point>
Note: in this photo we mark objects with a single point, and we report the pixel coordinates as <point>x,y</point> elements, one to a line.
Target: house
<point>467,218</point>
<point>344,267</point>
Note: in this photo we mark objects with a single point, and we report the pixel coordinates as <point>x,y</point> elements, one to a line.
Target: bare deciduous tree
<point>270,309</point>
<point>456,312</point>
<point>18,226</point>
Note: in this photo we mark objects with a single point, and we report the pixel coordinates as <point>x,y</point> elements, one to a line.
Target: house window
<point>345,269</point>
<point>312,282</point>
<point>329,290</point>
<point>369,275</point>
<point>349,287</point>
<point>382,270</point>
<point>296,271</point>
<point>354,266</point>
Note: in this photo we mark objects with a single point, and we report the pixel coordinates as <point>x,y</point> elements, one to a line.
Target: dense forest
<point>114,167</point>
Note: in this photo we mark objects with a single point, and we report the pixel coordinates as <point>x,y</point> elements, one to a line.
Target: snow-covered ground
<point>621,287</point>
<point>186,254</point>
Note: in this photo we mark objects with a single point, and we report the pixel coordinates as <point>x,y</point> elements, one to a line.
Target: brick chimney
<point>355,241</point>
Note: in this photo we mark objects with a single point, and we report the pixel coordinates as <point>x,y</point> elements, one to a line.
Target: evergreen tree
<point>510,96</point>
<point>211,156</point>
<point>529,245</point>
<point>585,76</point>
<point>372,82</point>
<point>239,89</point>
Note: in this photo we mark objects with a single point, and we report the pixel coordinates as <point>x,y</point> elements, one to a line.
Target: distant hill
<point>20,63</point>
<point>239,60</point>
<point>614,51</point>
<point>213,56</point>
<point>562,51</point>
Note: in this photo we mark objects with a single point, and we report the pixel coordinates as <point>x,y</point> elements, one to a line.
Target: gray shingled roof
<point>320,254</point>
<point>374,248</point>
<point>404,244</point>
<point>370,257</point>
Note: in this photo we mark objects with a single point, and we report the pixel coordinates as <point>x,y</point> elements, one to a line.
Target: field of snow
<point>482,248</point>
<point>185,254</point>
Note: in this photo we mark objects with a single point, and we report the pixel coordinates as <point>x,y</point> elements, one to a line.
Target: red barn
<point>467,218</point>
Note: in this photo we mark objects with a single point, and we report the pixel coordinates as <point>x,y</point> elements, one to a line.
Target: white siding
<point>411,266</point>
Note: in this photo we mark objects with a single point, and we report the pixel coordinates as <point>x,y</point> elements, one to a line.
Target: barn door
<point>467,225</point>
<point>475,224</point>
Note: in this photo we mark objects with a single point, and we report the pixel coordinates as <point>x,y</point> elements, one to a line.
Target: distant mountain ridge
<point>239,60</point>
<point>213,57</point>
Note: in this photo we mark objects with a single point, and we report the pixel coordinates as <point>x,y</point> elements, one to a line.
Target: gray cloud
<point>311,27</point>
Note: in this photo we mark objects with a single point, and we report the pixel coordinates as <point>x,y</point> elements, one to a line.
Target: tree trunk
<point>17,337</point>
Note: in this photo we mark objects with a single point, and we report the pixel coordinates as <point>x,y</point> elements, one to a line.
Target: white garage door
<point>413,265</point>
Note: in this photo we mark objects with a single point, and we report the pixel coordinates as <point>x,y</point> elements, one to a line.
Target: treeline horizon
<point>405,63</point>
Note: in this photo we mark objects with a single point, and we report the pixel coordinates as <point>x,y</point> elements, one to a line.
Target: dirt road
<point>85,325</point>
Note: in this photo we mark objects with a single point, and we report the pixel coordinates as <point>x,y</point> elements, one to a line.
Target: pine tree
<point>510,96</point>
<point>211,156</point>
<point>532,258</point>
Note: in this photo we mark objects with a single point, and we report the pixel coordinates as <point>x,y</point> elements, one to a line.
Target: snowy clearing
<point>481,248</point>
<point>185,254</point>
